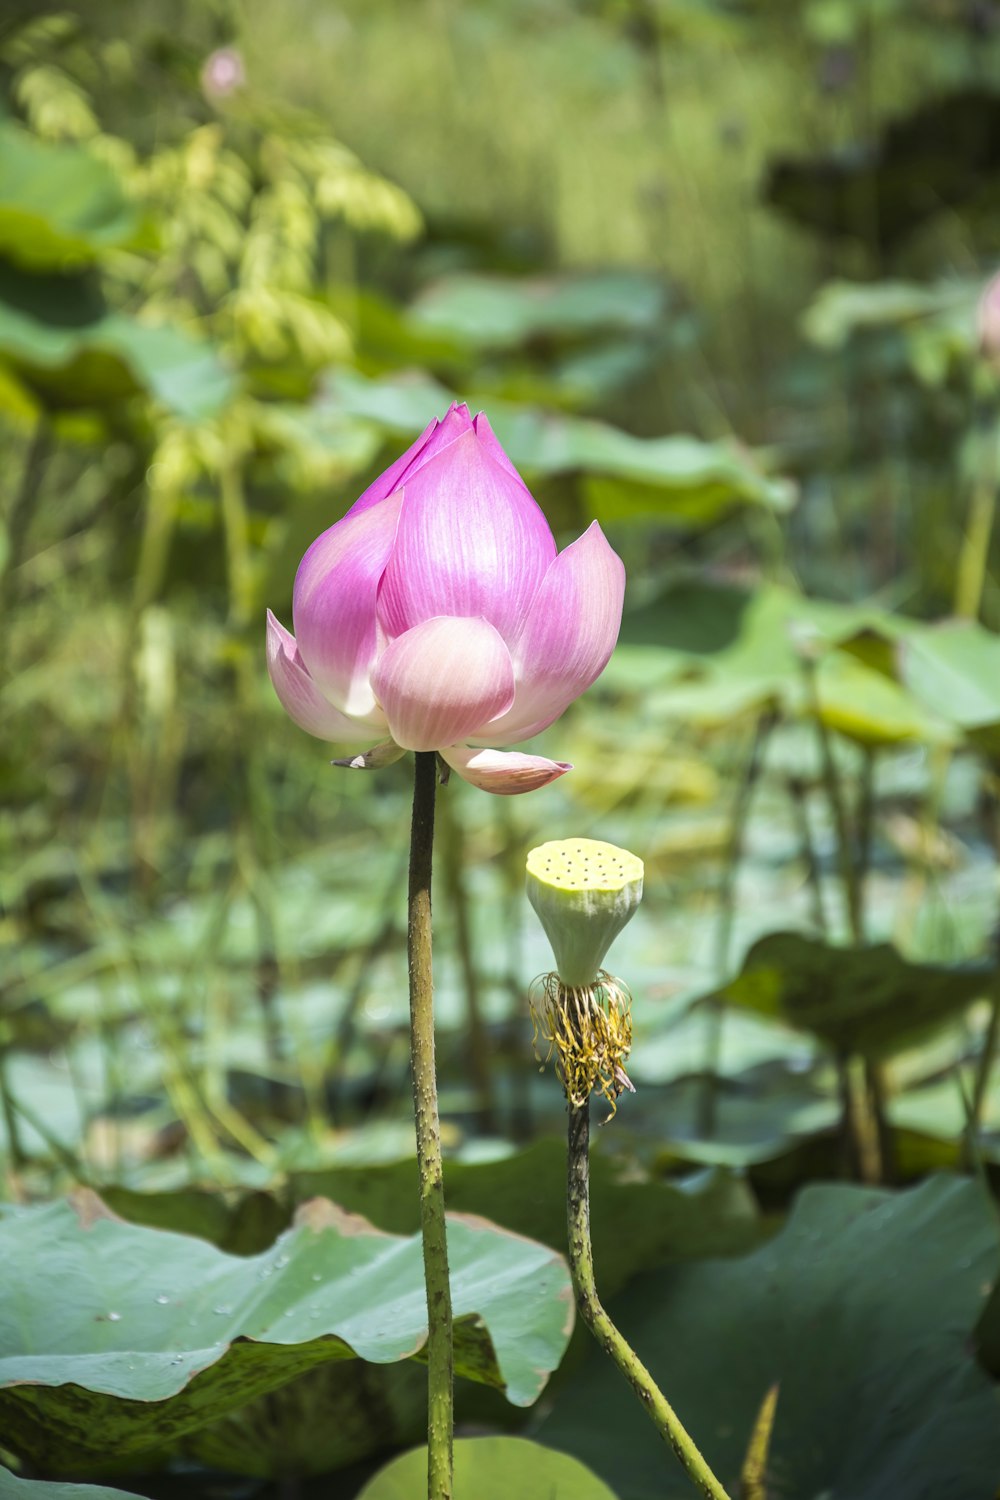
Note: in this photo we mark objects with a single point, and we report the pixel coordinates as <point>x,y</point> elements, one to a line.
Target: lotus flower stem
<point>861,1089</point>
<point>23,507</point>
<point>973,561</point>
<point>584,893</point>
<point>581,1261</point>
<point>440,1356</point>
<point>847,866</point>
<point>797,793</point>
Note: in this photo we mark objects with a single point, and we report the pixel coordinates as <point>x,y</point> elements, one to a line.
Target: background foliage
<point>713,270</point>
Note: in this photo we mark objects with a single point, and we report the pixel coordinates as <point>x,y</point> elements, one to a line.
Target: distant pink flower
<point>223,73</point>
<point>438,611</point>
<point>988,321</point>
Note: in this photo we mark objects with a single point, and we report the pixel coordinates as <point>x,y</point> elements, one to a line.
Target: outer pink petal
<point>503,773</point>
<point>471,541</point>
<point>442,681</point>
<point>334,604</point>
<point>568,636</point>
<point>490,442</point>
<point>299,696</point>
<point>435,436</point>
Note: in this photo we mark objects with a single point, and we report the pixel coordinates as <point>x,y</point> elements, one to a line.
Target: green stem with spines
<point>440,1352</point>
<point>581,1263</point>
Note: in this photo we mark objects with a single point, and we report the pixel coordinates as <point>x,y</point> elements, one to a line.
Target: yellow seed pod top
<point>584,892</point>
<point>584,865</point>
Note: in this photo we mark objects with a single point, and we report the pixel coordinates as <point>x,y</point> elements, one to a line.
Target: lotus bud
<point>437,612</point>
<point>584,893</point>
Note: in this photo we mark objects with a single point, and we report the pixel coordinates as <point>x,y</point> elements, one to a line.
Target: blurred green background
<point>713,271</point>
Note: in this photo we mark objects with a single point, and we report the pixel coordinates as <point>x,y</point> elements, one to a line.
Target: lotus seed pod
<point>584,892</point>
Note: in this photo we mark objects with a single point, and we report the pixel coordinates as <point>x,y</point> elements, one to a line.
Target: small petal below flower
<point>374,759</point>
<point>504,773</point>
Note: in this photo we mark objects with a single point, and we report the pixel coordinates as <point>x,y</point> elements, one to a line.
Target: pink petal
<point>299,695</point>
<point>471,541</point>
<point>488,440</point>
<point>334,604</point>
<point>506,774</point>
<point>442,681</point>
<point>435,436</point>
<point>568,636</point>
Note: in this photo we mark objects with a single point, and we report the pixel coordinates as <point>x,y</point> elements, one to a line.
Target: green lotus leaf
<point>842,309</point>
<point>635,1224</point>
<point>628,477</point>
<point>71,350</point>
<point>955,668</point>
<point>500,312</point>
<point>712,653</point>
<point>492,1468</point>
<point>870,1001</point>
<point>59,205</point>
<point>872,709</point>
<point>13,1488</point>
<point>118,1339</point>
<point>861,1309</point>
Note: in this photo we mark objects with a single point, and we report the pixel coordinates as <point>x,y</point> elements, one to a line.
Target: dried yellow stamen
<point>588,1030</point>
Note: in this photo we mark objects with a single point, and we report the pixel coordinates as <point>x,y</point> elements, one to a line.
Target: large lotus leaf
<point>13,1488</point>
<point>763,1117</point>
<point>244,1225</point>
<point>316,442</point>
<point>872,709</point>
<point>934,325</point>
<point>333,1415</point>
<point>939,1111</point>
<point>504,311</point>
<point>402,403</point>
<point>492,1468</point>
<point>666,1052</point>
<point>861,1309</point>
<point>842,309</point>
<point>635,1224</point>
<point>715,652</point>
<point>955,668</point>
<point>865,1000</point>
<point>661,475</point>
<point>68,347</point>
<point>117,1339</point>
<point>653,477</point>
<point>59,205</point>
<point>18,403</point>
<point>588,376</point>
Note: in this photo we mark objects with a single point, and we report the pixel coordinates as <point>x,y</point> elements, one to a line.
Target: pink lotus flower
<point>438,610</point>
<point>988,321</point>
